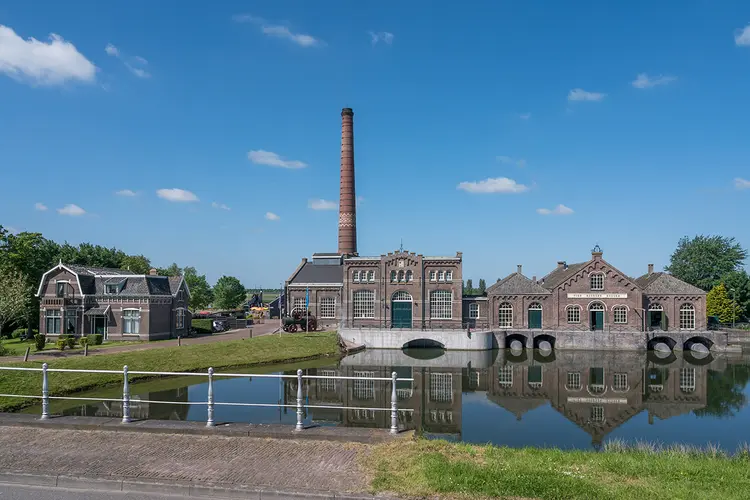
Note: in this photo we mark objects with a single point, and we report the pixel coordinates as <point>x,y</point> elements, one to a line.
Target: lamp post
<point>734,306</point>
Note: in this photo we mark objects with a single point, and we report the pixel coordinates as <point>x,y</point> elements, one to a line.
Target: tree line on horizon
<point>26,256</point>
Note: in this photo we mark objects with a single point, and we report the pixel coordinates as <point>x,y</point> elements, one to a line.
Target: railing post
<point>394,404</point>
<point>45,393</point>
<point>125,396</point>
<point>300,413</point>
<point>210,421</point>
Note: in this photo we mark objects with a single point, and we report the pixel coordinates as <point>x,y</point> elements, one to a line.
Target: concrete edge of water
<point>166,486</point>
<point>275,431</point>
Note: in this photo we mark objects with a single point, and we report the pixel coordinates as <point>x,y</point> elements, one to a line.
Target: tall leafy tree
<point>172,270</point>
<point>469,288</point>
<point>482,286</point>
<point>136,263</point>
<point>719,304</point>
<point>737,284</point>
<point>703,260</point>
<point>15,295</point>
<point>201,294</point>
<point>228,293</point>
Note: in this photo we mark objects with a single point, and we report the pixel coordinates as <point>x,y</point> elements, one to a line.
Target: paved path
<point>283,464</point>
<point>270,326</point>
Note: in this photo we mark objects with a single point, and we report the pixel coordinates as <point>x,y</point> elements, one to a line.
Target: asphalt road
<point>14,492</point>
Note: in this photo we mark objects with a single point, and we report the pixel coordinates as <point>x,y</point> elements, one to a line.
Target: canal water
<point>567,399</point>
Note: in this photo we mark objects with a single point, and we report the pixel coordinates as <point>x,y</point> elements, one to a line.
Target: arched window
<point>363,304</point>
<point>400,276</point>
<point>655,307</point>
<point>393,276</point>
<point>620,314</point>
<point>355,277</point>
<point>505,315</point>
<point>597,281</point>
<point>536,306</point>
<point>596,306</point>
<point>371,276</point>
<point>401,296</point>
<point>409,276</point>
<point>687,317</point>
<point>441,304</point>
<point>687,379</point>
<point>574,314</point>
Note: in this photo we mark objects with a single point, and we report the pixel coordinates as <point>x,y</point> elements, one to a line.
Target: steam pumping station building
<point>403,299</point>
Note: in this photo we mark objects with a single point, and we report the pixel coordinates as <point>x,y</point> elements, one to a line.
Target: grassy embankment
<point>17,347</point>
<point>426,468</point>
<point>270,349</point>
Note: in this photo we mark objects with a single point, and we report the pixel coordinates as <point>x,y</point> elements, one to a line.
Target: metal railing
<point>210,401</point>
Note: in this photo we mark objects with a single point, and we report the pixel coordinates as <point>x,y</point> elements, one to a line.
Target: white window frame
<point>401,277</point>
<point>299,303</point>
<point>441,387</point>
<point>473,310</point>
<point>53,314</point>
<point>409,276</point>
<point>576,310</point>
<point>441,275</point>
<point>687,380</point>
<point>327,307</point>
<point>687,317</point>
<point>573,381</point>
<point>179,318</point>
<point>440,308</point>
<point>371,276</point>
<point>620,382</point>
<point>107,288</point>
<point>596,280</point>
<point>449,276</point>
<point>620,315</point>
<point>134,321</point>
<point>180,295</point>
<point>363,304</point>
<point>505,376</point>
<point>394,275</point>
<point>597,414</point>
<point>433,276</point>
<point>505,313</point>
<point>355,276</point>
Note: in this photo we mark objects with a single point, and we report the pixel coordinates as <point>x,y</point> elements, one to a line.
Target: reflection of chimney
<point>650,269</point>
<point>520,268</point>
<point>347,194</point>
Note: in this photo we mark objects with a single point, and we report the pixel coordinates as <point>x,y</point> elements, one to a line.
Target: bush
<point>18,333</point>
<point>202,325</point>
<point>4,351</point>
<point>40,340</point>
<point>84,341</point>
<point>97,339</point>
<point>61,343</point>
<point>71,342</point>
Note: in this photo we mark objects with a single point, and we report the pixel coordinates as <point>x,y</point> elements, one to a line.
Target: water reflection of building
<point>598,391</point>
<point>139,409</point>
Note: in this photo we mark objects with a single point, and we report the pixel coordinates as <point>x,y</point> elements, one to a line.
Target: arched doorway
<point>535,316</point>
<point>596,316</point>
<point>401,310</point>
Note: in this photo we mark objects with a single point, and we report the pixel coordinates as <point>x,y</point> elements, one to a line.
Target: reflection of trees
<point>726,392</point>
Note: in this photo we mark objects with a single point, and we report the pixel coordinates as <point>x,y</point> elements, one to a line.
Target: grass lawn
<point>424,468</point>
<point>270,349</point>
<point>18,347</point>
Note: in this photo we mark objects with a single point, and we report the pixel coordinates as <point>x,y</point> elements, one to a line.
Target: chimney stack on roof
<point>650,269</point>
<point>560,264</point>
<point>152,272</point>
<point>347,193</point>
<point>520,269</point>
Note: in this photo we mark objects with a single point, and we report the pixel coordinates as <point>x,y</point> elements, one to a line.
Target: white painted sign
<point>599,401</point>
<point>597,295</point>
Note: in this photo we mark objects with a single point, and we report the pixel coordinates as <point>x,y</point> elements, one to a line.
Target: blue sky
<point>539,103</point>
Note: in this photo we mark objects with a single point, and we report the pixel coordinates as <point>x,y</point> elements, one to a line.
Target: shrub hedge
<point>203,325</point>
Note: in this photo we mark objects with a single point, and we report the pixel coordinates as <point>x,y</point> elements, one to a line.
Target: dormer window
<point>61,288</point>
<point>112,289</point>
<point>597,281</point>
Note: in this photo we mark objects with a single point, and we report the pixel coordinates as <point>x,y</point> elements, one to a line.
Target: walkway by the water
<point>304,465</point>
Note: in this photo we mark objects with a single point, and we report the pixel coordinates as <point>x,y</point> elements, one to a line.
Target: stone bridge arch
<point>655,342</point>
<point>423,344</point>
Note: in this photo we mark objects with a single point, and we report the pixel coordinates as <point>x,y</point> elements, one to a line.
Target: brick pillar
<point>347,194</point>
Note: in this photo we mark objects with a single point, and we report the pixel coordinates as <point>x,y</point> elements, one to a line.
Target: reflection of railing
<point>210,403</point>
<point>444,324</point>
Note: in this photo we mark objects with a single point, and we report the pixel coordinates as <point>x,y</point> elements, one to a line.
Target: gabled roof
<point>556,277</point>
<point>312,273</point>
<point>516,283</point>
<point>93,281</point>
<point>665,283</point>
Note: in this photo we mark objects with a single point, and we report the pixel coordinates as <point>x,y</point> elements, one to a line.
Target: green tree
<point>703,260</point>
<point>725,392</point>
<point>482,286</point>
<point>15,295</point>
<point>201,294</point>
<point>136,263</point>
<point>469,288</point>
<point>172,270</point>
<point>737,284</point>
<point>719,304</point>
<point>228,293</point>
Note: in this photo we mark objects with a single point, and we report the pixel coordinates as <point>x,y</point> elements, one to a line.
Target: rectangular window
<point>505,376</point>
<point>299,304</point>
<point>621,315</point>
<point>473,311</point>
<point>54,321</point>
<point>687,379</point>
<point>61,288</point>
<point>433,276</point>
<point>448,276</point>
<point>574,381</point>
<point>328,384</point>
<point>441,387</point>
<point>71,320</point>
<point>363,389</point>
<point>371,276</point>
<point>534,376</point>
<point>597,413</point>
<point>596,380</point>
<point>131,321</point>
<point>328,307</point>
<point>441,304</point>
<point>574,314</point>
<point>621,382</point>
<point>355,277</point>
<point>180,295</point>
<point>364,304</point>
<point>111,289</point>
<point>180,321</point>
<point>441,276</point>
<point>597,281</point>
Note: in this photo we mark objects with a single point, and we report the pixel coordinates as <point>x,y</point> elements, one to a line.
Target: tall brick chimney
<point>347,194</point>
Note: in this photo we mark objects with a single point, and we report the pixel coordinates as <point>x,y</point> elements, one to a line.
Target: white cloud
<point>558,210</point>
<point>40,206</point>
<point>643,81</point>
<point>740,183</point>
<point>272,216</point>
<point>493,185</point>
<point>135,64</point>
<point>72,210</point>
<point>279,31</point>
<point>381,36</point>
<point>582,95</point>
<point>126,192</point>
<point>177,195</point>
<point>271,159</point>
<point>40,63</point>
<point>139,72</point>
<point>525,116</point>
<point>507,160</point>
<point>111,50</point>
<point>742,37</point>
<point>220,206</point>
<point>323,205</point>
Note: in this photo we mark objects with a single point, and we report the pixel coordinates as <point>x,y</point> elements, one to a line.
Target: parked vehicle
<point>221,325</point>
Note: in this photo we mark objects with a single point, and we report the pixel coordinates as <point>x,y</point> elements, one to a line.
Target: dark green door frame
<point>401,314</point>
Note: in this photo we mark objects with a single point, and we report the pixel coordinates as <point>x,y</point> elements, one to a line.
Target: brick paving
<point>286,464</point>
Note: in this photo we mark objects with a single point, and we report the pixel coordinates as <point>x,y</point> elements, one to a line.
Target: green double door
<point>401,314</point>
<point>597,320</point>
<point>535,319</point>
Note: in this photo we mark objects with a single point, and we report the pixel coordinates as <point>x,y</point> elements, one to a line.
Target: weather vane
<point>402,246</point>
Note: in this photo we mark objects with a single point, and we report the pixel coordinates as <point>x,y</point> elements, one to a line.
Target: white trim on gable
<point>57,268</point>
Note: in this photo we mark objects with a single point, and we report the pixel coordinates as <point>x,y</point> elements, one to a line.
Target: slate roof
<point>97,271</point>
<point>665,283</point>
<point>94,280</point>
<point>319,273</point>
<point>517,283</point>
<point>174,284</point>
<point>553,279</point>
